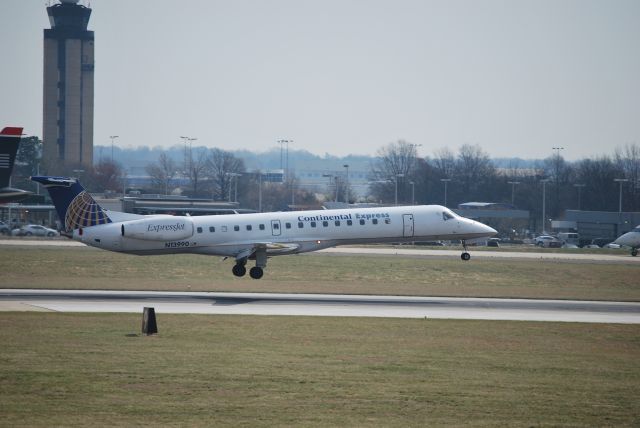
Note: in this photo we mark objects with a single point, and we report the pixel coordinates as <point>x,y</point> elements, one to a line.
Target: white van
<point>569,237</point>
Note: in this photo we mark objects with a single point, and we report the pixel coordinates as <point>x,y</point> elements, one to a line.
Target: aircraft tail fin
<point>9,142</point>
<point>76,208</point>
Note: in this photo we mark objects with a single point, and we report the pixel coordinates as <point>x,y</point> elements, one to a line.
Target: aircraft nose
<point>490,231</point>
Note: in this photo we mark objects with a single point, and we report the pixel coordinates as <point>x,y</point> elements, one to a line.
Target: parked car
<point>600,242</point>
<point>547,241</point>
<point>34,230</point>
<point>493,242</point>
<point>4,228</point>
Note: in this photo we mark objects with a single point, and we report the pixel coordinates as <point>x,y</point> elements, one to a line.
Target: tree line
<point>396,173</point>
<point>470,176</point>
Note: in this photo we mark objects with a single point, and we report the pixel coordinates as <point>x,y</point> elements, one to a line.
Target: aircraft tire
<point>256,272</point>
<point>465,256</point>
<point>239,270</point>
<point>634,252</point>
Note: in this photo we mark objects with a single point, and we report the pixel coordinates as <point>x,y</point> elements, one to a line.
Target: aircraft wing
<point>276,248</point>
<point>271,248</point>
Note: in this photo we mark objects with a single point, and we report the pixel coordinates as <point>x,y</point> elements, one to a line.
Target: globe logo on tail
<point>83,211</point>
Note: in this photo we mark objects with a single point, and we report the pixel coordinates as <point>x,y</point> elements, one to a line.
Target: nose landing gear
<point>465,255</point>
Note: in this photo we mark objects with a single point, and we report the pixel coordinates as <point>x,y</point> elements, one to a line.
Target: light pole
<point>190,157</point>
<point>579,187</point>
<point>413,192</point>
<point>282,144</point>
<point>513,190</point>
<point>331,177</point>
<point>124,184</point>
<point>445,181</point>
<point>113,137</point>
<point>396,180</point>
<point>259,191</point>
<point>544,200</point>
<point>620,180</point>
<point>346,185</point>
<point>233,175</point>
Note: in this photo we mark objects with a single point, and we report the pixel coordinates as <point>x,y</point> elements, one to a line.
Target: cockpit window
<point>447,215</point>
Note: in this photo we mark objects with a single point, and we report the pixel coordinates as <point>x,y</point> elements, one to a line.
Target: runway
<point>321,305</point>
<point>406,251</point>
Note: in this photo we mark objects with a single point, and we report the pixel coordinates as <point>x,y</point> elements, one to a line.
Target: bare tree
<point>394,168</point>
<point>162,172</point>
<point>597,175</point>
<point>221,167</point>
<point>475,171</point>
<point>197,167</point>
<point>444,162</point>
<point>106,175</point>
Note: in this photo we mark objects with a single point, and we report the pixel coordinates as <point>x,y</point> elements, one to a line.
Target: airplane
<point>630,239</point>
<point>254,236</point>
<point>9,142</point>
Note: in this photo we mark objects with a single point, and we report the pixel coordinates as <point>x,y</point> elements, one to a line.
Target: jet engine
<point>169,228</point>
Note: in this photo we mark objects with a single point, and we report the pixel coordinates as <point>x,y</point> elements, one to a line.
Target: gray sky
<point>348,76</point>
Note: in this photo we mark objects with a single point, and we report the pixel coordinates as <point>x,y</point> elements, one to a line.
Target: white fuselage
<point>630,239</point>
<point>280,232</point>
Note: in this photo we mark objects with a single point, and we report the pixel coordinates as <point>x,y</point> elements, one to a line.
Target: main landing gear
<point>256,272</point>
<point>465,255</point>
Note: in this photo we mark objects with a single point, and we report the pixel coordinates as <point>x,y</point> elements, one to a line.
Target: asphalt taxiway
<point>321,305</point>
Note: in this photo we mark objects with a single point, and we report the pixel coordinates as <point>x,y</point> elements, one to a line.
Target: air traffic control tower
<point>68,87</point>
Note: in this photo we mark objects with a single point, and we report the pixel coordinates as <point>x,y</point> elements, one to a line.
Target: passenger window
<point>249,227</point>
<point>362,221</point>
<point>374,221</point>
<point>300,225</point>
<point>325,223</point>
<point>236,228</point>
<point>287,225</point>
<point>212,229</point>
<point>276,225</point>
<point>337,222</point>
<point>261,227</point>
<point>387,221</point>
<point>199,230</point>
<point>224,228</point>
<point>313,224</point>
<point>349,222</point>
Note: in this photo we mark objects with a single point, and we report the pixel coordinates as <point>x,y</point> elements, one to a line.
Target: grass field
<point>87,268</point>
<point>82,370</point>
